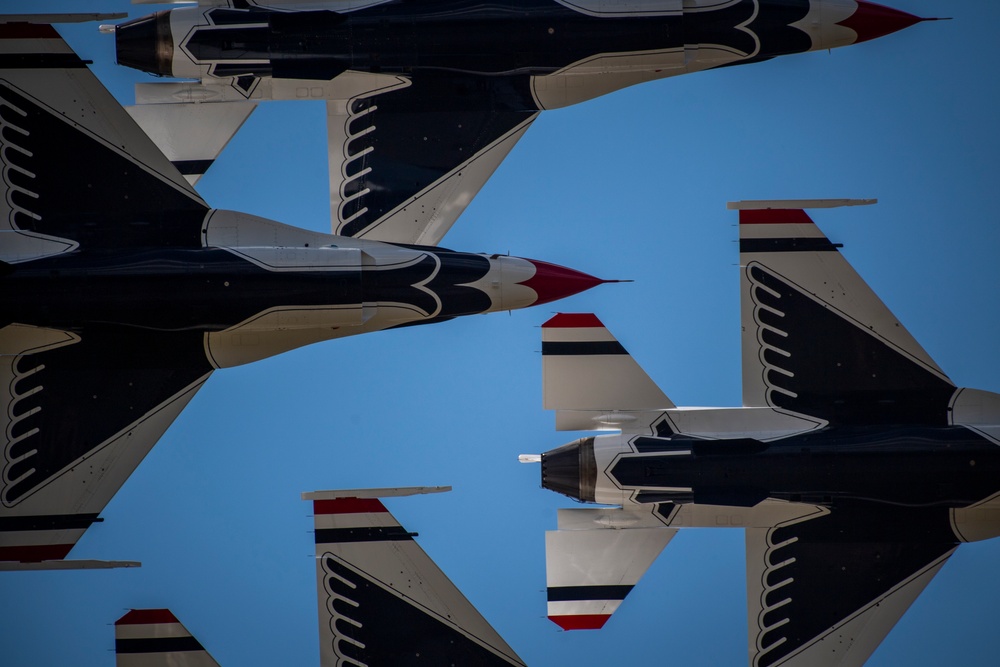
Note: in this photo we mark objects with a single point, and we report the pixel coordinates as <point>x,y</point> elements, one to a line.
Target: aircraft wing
<point>404,163</point>
<point>82,409</point>
<point>406,155</point>
<point>382,600</point>
<point>59,130</point>
<point>81,406</point>
<point>155,638</point>
<point>817,340</point>
<point>824,591</point>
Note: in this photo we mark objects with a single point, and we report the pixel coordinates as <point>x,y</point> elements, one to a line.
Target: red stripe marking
<point>775,216</point>
<point>581,622</point>
<point>348,506</point>
<point>573,321</point>
<point>23,30</point>
<point>552,282</point>
<point>872,21</point>
<point>35,553</point>
<point>147,616</point>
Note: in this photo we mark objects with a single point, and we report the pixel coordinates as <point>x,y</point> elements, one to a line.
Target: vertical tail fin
<point>382,599</point>
<point>155,638</point>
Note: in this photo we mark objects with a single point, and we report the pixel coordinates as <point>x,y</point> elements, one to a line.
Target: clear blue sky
<point>633,185</point>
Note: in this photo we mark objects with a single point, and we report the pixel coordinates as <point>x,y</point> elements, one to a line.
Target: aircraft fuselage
<point>231,276</point>
<point>622,43</point>
<point>919,472</point>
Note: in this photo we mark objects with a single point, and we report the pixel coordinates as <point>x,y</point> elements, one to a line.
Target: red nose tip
<point>871,21</point>
<point>552,281</point>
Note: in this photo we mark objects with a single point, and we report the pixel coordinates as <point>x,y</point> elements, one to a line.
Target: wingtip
<point>573,321</point>
<point>147,617</point>
<point>581,621</point>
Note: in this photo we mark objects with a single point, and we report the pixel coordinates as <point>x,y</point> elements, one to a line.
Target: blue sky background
<point>632,185</point>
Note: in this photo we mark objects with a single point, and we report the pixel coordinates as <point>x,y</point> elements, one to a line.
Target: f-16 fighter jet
<point>382,601</point>
<point>123,291</point>
<point>425,99</point>
<point>855,466</point>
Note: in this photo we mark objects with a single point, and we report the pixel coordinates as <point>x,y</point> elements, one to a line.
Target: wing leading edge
<point>382,600</point>
<point>79,175</point>
<point>817,340</point>
<point>825,590</point>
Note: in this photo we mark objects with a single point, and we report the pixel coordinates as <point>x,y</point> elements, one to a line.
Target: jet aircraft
<point>123,291</point>
<point>855,466</point>
<point>425,99</point>
<point>382,601</point>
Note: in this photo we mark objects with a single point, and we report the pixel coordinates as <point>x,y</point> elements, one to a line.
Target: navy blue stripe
<point>583,348</point>
<point>47,522</point>
<point>654,445</point>
<point>192,167</point>
<point>365,534</point>
<point>808,244</point>
<point>158,645</point>
<point>576,593</point>
<point>42,61</point>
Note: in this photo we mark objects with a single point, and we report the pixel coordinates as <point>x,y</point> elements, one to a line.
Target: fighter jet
<point>855,465</point>
<point>382,601</point>
<point>123,292</point>
<point>425,99</point>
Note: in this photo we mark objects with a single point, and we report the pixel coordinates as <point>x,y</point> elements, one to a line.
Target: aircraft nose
<point>552,282</point>
<point>872,21</point>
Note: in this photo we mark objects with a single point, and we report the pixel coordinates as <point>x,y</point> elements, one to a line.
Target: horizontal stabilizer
<point>817,340</point>
<point>382,600</point>
<point>593,561</point>
<point>191,134</point>
<point>155,638</point>
<point>584,368</point>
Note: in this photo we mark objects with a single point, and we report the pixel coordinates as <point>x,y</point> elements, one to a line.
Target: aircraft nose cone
<point>552,282</point>
<point>871,21</point>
